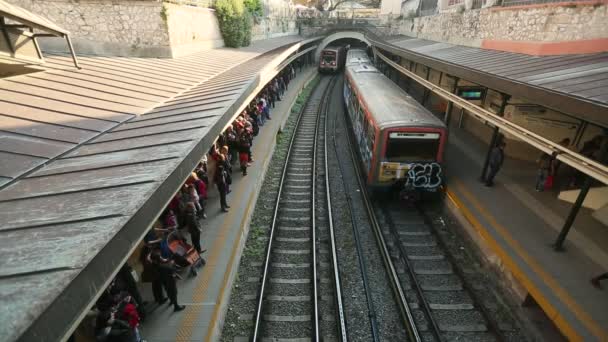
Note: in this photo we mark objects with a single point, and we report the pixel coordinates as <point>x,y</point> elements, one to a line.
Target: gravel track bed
<point>486,284</point>
<point>455,310</point>
<point>357,319</point>
<point>253,253</point>
<point>291,330</point>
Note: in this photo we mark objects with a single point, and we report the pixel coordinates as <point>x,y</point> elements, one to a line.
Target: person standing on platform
<point>194,227</point>
<point>497,157</point>
<point>222,186</point>
<point>545,169</point>
<point>595,281</point>
<point>167,273</point>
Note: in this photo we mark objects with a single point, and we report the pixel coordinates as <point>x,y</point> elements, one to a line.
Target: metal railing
<point>193,3</point>
<point>507,3</point>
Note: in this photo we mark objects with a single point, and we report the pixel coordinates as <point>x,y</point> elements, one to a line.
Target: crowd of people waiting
<point>120,309</point>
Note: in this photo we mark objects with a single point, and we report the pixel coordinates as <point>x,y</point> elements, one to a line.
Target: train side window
<point>371,134</point>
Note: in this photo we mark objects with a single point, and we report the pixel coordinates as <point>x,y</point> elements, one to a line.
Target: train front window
<point>328,58</point>
<point>412,147</point>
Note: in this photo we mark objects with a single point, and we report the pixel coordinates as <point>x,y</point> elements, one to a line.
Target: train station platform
<point>516,227</point>
<point>206,296</point>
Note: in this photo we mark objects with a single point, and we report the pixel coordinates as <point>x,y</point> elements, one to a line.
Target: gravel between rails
<point>485,282</point>
<point>356,309</point>
<point>242,305</point>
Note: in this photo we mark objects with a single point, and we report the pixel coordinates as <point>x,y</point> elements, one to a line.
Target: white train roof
<point>389,104</point>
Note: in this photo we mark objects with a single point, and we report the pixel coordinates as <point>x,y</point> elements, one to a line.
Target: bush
<point>235,22</point>
<point>254,7</point>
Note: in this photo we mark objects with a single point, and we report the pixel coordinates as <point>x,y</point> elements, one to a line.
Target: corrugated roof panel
<point>31,146</point>
<point>13,164</point>
<point>548,77</point>
<point>113,159</point>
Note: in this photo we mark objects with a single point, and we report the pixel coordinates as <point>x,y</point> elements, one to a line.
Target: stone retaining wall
<point>533,24</point>
<point>128,28</point>
<point>147,28</point>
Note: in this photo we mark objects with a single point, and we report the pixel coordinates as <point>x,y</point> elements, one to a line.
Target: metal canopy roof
<point>31,21</point>
<point>573,84</point>
<point>28,18</point>
<point>93,160</point>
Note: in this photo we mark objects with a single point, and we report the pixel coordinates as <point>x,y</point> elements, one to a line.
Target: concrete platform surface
<point>519,225</point>
<point>206,296</point>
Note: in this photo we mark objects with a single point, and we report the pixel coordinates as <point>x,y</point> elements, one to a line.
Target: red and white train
<point>332,59</point>
<point>399,141</point>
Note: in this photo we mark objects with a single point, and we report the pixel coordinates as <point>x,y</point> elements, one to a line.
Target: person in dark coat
<point>150,274</point>
<point>167,273</point>
<point>194,227</point>
<point>497,157</point>
<point>221,179</point>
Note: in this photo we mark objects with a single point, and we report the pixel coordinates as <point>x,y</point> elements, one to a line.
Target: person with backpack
<point>545,168</point>
<point>244,150</point>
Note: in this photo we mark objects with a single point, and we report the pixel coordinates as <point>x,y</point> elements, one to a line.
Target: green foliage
<point>163,13</point>
<point>254,7</point>
<point>235,22</point>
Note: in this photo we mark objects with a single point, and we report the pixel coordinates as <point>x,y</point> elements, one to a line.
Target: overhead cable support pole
<point>448,110</point>
<point>558,246</point>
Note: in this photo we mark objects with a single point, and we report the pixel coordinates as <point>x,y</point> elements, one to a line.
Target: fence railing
<point>507,3</point>
<point>194,3</point>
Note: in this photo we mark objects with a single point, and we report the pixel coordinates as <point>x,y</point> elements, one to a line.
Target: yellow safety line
<point>536,293</point>
<point>228,270</point>
<point>184,333</point>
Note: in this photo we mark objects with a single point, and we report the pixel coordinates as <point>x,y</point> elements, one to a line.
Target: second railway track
<point>297,296</point>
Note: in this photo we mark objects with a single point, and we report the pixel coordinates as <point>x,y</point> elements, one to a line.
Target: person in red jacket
<point>131,316</point>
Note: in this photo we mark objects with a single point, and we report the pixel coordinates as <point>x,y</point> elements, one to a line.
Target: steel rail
<point>315,287</point>
<point>477,300</point>
<point>574,159</point>
<point>418,288</point>
<point>260,303</point>
<point>334,254</point>
<point>406,313</point>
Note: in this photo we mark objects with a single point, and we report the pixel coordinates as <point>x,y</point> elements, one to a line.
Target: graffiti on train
<point>424,175</point>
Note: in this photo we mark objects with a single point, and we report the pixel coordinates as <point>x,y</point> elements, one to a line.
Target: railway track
<point>299,296</point>
<point>445,306</point>
<point>435,301</point>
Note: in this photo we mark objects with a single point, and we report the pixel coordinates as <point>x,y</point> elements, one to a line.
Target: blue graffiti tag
<point>426,176</point>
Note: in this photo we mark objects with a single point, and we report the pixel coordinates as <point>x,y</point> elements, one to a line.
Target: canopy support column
<point>558,246</point>
<point>495,134</point>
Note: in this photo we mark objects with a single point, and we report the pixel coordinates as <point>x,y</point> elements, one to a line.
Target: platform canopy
<point>91,156</point>
<point>576,85</point>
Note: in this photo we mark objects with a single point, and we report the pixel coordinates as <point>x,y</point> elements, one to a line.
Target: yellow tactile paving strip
<point>511,264</point>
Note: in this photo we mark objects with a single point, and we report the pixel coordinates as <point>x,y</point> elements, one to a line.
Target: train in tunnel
<point>332,58</point>
<point>399,142</point>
